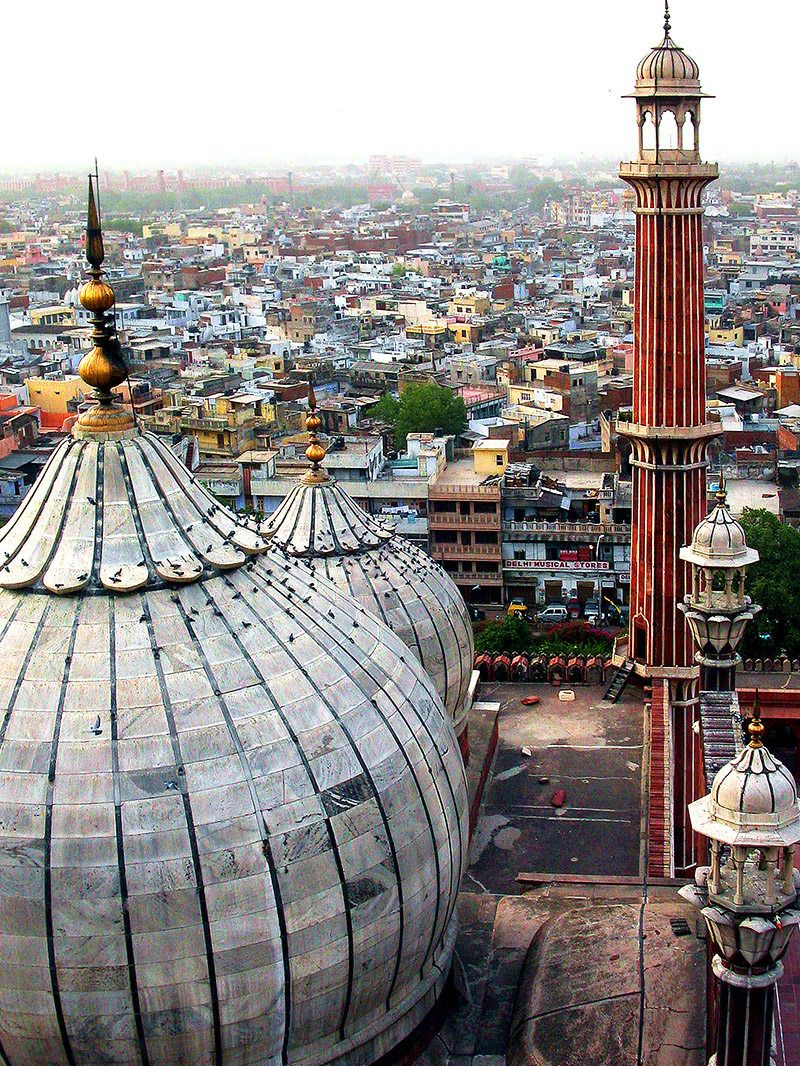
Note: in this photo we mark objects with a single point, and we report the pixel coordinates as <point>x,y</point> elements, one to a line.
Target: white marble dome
<point>719,540</point>
<point>393,579</point>
<point>232,807</point>
<point>754,791</point>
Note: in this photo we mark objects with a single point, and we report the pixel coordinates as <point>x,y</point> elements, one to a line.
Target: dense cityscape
<point>400,588</point>
<point>509,285</point>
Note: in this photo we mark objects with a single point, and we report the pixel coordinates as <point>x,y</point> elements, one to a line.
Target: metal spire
<point>103,367</point>
<point>755,727</point>
<point>315,452</point>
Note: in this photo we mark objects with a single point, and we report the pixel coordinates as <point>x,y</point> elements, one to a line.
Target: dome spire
<point>315,452</point>
<point>103,367</point>
<point>755,727</point>
<point>722,492</point>
<point>667,25</point>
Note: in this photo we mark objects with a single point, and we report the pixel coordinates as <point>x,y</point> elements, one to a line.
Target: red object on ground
<point>558,798</point>
<point>529,701</point>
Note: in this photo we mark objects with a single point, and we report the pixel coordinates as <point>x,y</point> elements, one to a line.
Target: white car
<point>552,615</point>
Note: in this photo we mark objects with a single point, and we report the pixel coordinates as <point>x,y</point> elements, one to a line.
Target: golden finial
<point>722,494</point>
<point>103,367</point>
<point>666,19</point>
<point>315,452</point>
<point>755,727</point>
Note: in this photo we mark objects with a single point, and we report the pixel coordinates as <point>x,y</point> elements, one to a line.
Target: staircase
<point>619,681</point>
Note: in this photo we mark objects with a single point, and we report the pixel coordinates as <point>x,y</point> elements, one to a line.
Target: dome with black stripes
<point>319,525</point>
<point>233,807</point>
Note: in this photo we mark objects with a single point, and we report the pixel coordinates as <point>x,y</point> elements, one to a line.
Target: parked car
<point>552,615</point>
<point>591,612</point>
<point>574,608</point>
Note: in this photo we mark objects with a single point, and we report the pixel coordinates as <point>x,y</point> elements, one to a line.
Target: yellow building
<point>227,425</point>
<point>56,399</point>
<point>55,315</point>
<point>469,304</point>
<point>491,456</point>
<point>720,332</point>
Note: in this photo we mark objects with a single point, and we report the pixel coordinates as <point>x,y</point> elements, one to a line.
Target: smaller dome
<point>756,791</point>
<point>753,800</point>
<point>667,70</point>
<point>668,63</point>
<point>719,540</point>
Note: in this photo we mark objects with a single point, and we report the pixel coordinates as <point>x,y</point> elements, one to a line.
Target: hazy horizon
<point>318,84</point>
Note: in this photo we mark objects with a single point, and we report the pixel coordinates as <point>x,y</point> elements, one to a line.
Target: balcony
<point>463,521</point>
<point>574,530</point>
<point>466,551</point>
<point>447,492</point>
<point>477,577</point>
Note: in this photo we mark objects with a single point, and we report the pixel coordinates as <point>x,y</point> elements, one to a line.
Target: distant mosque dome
<point>234,812</point>
<point>393,579</point>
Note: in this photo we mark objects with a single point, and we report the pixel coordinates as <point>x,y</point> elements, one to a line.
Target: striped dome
<point>386,574</point>
<point>668,63</point>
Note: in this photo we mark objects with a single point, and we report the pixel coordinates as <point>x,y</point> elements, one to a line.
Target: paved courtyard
<point>589,749</point>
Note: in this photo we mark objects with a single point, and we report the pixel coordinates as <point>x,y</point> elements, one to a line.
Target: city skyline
<point>336,85</point>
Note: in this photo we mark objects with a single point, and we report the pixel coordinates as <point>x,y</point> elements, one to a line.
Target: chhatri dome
<point>667,70</point>
<point>233,808</point>
<point>393,579</point>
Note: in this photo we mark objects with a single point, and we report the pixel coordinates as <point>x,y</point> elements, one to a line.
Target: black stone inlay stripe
<point>23,669</point>
<point>48,843</point>
<point>333,638</point>
<point>176,752</point>
<point>314,625</point>
<point>190,827</point>
<point>123,874</point>
<point>262,828</point>
<point>348,907</point>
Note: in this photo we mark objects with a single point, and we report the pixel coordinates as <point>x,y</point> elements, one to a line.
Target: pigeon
<point>96,727</point>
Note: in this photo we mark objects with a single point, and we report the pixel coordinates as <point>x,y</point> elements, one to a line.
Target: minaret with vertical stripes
<point>668,431</point>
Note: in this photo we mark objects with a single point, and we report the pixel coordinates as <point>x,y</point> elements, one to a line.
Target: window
<point>499,459</point>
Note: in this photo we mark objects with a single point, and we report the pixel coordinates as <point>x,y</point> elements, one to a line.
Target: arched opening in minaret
<point>688,133</point>
<point>648,132</point>
<point>668,131</point>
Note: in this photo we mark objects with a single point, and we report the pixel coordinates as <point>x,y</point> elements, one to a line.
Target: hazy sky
<point>182,83</point>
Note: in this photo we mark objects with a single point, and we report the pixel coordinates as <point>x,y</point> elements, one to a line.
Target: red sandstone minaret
<point>668,431</point>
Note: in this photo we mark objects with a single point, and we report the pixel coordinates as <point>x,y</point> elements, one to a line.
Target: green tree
<point>773,583</point>
<point>423,408</point>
